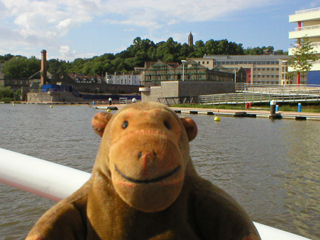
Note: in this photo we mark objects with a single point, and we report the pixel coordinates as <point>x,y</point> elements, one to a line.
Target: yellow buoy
<point>108,110</point>
<point>216,119</point>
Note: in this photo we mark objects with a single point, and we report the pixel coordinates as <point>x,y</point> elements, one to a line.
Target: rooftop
<point>247,57</point>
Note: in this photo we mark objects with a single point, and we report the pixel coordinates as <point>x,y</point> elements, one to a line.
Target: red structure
<point>248,72</point>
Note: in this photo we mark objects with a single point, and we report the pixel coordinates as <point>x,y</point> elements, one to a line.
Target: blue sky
<point>70,29</point>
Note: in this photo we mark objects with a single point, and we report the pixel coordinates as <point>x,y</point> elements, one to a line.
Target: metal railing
<point>178,100</point>
<point>307,28</point>
<point>258,93</point>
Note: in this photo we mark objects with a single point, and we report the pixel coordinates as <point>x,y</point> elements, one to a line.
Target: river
<point>272,168</point>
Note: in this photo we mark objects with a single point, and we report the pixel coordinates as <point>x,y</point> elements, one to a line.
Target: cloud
<point>172,11</point>
<point>66,52</point>
<point>55,18</point>
<point>48,19</point>
<point>47,23</point>
<point>147,24</point>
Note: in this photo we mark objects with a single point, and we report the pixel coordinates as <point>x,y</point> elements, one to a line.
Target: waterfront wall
<point>186,88</point>
<point>52,97</point>
<point>105,88</point>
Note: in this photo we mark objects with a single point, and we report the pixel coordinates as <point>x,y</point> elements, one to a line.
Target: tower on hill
<point>190,39</point>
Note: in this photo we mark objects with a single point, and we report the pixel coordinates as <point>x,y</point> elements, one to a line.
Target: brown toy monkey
<point>144,186</point>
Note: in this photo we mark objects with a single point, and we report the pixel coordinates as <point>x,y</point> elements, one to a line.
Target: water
<point>270,167</point>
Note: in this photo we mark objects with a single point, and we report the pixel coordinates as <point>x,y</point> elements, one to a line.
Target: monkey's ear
<point>190,126</point>
<point>100,121</point>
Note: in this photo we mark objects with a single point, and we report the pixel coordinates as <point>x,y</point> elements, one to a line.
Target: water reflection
<point>270,167</point>
<point>303,181</point>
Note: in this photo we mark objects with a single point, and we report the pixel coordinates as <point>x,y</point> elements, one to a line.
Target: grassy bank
<point>306,107</point>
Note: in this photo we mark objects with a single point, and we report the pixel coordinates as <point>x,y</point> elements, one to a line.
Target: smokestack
<point>43,70</point>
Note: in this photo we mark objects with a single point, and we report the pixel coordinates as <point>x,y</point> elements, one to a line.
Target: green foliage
<point>56,65</point>
<point>5,58</point>
<point>6,94</point>
<point>139,52</point>
<point>20,67</point>
<point>303,56</point>
<point>261,50</point>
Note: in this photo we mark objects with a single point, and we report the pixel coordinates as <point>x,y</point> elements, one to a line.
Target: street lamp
<point>183,62</point>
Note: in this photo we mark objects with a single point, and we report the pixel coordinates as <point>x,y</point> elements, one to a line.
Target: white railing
<point>38,176</point>
<point>56,182</point>
<point>307,28</point>
<point>308,10</point>
<point>315,44</point>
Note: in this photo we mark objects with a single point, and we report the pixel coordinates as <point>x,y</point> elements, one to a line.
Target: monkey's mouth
<point>146,181</point>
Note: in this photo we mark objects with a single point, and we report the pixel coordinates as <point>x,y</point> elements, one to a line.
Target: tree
<point>139,52</point>
<point>33,66</point>
<point>303,57</point>
<point>55,65</point>
<point>199,49</point>
<point>5,58</point>
<point>185,51</point>
<point>20,67</point>
<point>6,94</point>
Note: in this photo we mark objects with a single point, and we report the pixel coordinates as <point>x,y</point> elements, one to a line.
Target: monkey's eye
<point>125,124</point>
<point>167,124</point>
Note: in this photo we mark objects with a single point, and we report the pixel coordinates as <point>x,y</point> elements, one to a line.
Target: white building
<point>123,79</point>
<point>260,69</point>
<point>308,24</point>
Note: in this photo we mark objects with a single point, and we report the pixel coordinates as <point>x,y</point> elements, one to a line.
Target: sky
<point>70,29</point>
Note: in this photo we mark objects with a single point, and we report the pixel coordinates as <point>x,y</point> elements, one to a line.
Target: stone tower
<point>43,70</point>
<point>190,39</point>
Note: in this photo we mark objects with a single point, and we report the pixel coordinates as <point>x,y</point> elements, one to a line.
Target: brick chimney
<point>43,70</point>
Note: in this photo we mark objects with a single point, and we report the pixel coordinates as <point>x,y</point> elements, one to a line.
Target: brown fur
<point>144,186</point>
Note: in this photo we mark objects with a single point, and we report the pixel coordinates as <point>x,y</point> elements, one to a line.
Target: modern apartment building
<point>308,24</point>
<point>260,69</point>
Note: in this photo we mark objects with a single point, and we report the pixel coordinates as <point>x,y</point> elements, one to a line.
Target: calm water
<point>270,167</point>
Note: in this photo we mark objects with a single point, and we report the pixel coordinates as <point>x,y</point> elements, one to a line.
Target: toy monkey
<point>144,186</point>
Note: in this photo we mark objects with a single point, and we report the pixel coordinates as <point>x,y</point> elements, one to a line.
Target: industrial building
<point>189,70</point>
<point>260,69</point>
